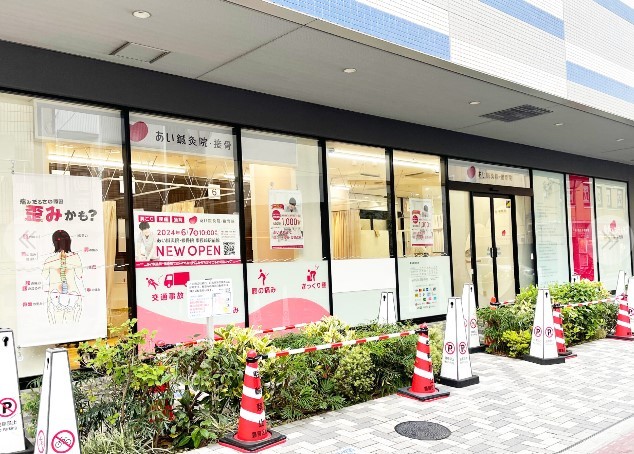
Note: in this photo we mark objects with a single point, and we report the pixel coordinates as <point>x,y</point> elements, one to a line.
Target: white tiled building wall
<point>582,50</point>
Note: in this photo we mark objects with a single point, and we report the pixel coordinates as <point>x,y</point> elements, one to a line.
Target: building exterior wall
<point>580,50</point>
<point>125,89</point>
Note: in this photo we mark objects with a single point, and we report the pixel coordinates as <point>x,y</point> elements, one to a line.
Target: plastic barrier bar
<point>588,303</point>
<point>334,345</point>
<point>280,328</point>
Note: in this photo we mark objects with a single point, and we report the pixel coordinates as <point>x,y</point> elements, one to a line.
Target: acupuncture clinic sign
<point>470,172</point>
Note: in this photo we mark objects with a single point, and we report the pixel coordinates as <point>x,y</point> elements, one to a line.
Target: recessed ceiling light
<point>349,70</point>
<point>620,140</point>
<point>141,14</point>
<point>474,103</point>
<point>559,124</point>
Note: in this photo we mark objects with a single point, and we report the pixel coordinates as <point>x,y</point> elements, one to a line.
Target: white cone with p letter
<point>456,362</point>
<point>471,319</point>
<point>12,438</point>
<point>57,422</point>
<point>543,340</point>
<point>620,285</point>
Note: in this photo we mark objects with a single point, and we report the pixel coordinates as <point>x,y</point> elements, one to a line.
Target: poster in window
<point>608,197</point>
<point>174,249</point>
<point>59,258</point>
<point>619,198</point>
<point>581,219</point>
<point>586,194</point>
<point>421,222</point>
<point>598,195</point>
<point>286,227</point>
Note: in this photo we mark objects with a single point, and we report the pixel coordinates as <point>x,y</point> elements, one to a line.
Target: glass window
<point>423,267</point>
<point>581,226</point>
<point>287,273</point>
<point>613,230</point>
<point>60,202</point>
<point>362,271</point>
<point>418,188</point>
<point>460,215</point>
<point>525,255</point>
<point>550,228</point>
<point>185,226</point>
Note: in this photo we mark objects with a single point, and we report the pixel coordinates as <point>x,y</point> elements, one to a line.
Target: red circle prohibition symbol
<point>537,331</point>
<point>8,407</point>
<point>473,323</point>
<point>63,441</point>
<point>462,347</point>
<point>549,332</point>
<point>450,348</point>
<point>41,442</point>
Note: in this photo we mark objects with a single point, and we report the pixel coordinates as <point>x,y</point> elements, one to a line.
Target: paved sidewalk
<point>518,407</point>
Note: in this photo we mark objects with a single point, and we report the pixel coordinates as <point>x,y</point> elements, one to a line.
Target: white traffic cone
<point>630,297</point>
<point>620,284</point>
<point>387,311</point>
<point>471,319</point>
<point>543,340</point>
<point>12,438</point>
<point>456,362</point>
<point>57,421</point>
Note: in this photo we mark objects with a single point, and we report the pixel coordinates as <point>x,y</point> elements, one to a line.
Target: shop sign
<point>286,225</point>
<point>175,136</point>
<point>59,258</point>
<point>475,172</point>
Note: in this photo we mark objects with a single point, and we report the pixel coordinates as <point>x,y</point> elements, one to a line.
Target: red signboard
<point>581,221</point>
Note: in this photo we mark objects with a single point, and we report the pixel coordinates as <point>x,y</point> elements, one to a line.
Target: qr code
<point>230,248</point>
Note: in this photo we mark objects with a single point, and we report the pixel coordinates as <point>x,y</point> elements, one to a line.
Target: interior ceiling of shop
<point>255,45</point>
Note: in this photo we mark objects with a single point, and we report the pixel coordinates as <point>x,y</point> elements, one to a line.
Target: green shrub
<point>517,344</point>
<point>190,396</point>
<point>580,324</point>
<point>354,377</point>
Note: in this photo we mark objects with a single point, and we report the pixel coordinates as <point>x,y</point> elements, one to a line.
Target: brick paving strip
<point>518,407</point>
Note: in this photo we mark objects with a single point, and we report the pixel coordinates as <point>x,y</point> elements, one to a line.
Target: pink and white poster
<point>286,293</point>
<point>582,240</point>
<point>59,259</point>
<point>421,217</point>
<point>173,249</point>
<point>286,220</point>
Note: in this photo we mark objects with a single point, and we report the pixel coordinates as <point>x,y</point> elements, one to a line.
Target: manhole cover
<point>422,430</point>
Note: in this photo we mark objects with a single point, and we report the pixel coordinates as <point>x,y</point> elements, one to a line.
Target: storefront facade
<point>123,196</point>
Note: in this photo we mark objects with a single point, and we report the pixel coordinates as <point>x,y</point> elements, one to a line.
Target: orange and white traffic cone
<point>252,434</point>
<point>559,333</point>
<point>623,329</point>
<point>423,387</point>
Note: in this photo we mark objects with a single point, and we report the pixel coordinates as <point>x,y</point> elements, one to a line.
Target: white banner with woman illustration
<point>286,220</point>
<point>60,261</point>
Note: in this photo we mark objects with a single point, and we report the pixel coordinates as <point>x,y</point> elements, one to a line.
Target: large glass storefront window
<point>551,231</point>
<point>423,265</point>
<point>60,202</point>
<point>613,230</point>
<point>287,275</point>
<point>185,226</point>
<point>360,219</point>
<point>583,252</point>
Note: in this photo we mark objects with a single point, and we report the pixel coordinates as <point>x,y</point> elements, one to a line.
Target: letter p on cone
<point>252,434</point>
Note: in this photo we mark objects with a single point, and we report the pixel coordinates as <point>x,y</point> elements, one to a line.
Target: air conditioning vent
<point>139,52</point>
<point>516,113</point>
